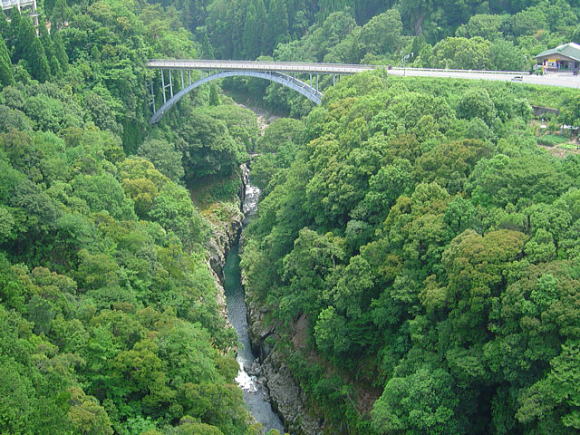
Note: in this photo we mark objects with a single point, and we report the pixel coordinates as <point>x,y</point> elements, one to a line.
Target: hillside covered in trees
<point>495,34</point>
<point>428,246</point>
<point>463,34</point>
<point>430,250</point>
<point>109,315</point>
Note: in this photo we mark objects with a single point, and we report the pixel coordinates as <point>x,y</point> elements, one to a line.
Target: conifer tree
<point>49,49</point>
<point>59,50</point>
<point>206,47</point>
<point>48,6</point>
<point>6,76</point>
<point>37,61</point>
<point>253,28</point>
<point>24,36</point>
<point>4,25</point>
<point>326,7</point>
<point>277,27</point>
<point>214,96</point>
<point>29,48</point>
<point>12,37</point>
<point>60,14</point>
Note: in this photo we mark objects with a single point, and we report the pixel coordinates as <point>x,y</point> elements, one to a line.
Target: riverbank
<point>270,367</point>
<point>256,395</point>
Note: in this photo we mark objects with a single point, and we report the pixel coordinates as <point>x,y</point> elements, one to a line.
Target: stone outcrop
<point>224,235</point>
<point>286,397</point>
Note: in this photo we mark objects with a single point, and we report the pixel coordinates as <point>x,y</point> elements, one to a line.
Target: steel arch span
<point>283,79</point>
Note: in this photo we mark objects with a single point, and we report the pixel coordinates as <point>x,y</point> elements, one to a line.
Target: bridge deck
<point>560,80</point>
<point>241,65</point>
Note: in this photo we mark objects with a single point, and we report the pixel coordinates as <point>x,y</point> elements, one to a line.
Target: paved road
<point>240,65</point>
<point>556,79</point>
<point>560,80</point>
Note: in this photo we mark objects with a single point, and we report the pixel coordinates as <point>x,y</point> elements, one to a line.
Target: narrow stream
<point>255,395</point>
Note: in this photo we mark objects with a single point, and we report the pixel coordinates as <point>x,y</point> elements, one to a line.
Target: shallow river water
<point>255,394</point>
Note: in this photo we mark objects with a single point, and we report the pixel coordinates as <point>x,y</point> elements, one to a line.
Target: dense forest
<point>414,226</point>
<point>382,30</point>
<point>109,315</point>
<point>432,250</point>
<point>464,34</point>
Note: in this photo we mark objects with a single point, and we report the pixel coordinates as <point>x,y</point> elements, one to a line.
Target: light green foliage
<point>319,40</point>
<point>419,403</point>
<point>476,103</point>
<point>529,178</point>
<point>103,192</point>
<point>173,209</point>
<point>463,53</point>
<point>278,148</point>
<point>109,320</point>
<point>485,26</point>
<point>427,251</point>
<point>571,111</point>
<point>505,56</point>
<point>241,123</point>
<point>6,76</point>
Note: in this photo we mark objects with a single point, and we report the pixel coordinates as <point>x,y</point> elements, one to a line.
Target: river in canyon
<point>255,394</point>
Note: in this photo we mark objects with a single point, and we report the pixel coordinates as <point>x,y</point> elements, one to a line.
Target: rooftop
<point>571,50</point>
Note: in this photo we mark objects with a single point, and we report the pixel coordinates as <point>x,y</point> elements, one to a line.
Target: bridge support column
<point>152,96</point>
<point>274,76</point>
<point>163,86</point>
<point>182,80</point>
<point>316,81</point>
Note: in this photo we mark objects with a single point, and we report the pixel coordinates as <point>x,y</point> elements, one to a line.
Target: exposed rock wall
<point>286,397</point>
<point>224,235</point>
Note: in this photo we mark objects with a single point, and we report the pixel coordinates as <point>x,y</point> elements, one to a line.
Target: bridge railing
<point>263,66</point>
<point>466,71</point>
<point>335,68</point>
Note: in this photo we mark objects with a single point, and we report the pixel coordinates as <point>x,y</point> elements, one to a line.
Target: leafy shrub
<point>551,140</point>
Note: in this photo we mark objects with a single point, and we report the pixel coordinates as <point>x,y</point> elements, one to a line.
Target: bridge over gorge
<point>175,75</point>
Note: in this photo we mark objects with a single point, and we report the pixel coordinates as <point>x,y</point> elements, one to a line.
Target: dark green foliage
<point>109,320</point>
<point>164,156</point>
<point>6,76</point>
<point>28,47</point>
<point>411,232</point>
<point>463,34</point>
<point>59,50</point>
<point>207,146</point>
<point>49,49</point>
<point>422,248</point>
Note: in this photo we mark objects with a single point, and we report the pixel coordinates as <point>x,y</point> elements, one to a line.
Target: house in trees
<point>565,57</point>
<point>28,6</point>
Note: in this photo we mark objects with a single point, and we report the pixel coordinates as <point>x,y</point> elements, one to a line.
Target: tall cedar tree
<point>12,37</point>
<point>49,49</point>
<point>4,25</point>
<point>6,77</point>
<point>59,50</point>
<point>29,48</point>
<point>277,28</point>
<point>253,28</point>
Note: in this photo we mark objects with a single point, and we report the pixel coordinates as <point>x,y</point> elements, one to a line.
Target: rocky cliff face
<point>224,235</point>
<point>286,397</point>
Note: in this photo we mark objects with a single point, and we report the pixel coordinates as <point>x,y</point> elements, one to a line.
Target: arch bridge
<point>284,72</point>
<point>176,80</point>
